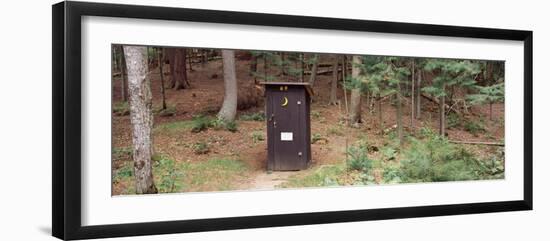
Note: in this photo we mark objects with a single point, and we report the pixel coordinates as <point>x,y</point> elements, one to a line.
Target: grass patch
<point>121,108</point>
<point>213,175</point>
<point>122,153</point>
<point>169,111</point>
<point>175,126</point>
<point>335,130</point>
<point>216,174</point>
<point>258,116</point>
<point>257,136</point>
<point>320,177</point>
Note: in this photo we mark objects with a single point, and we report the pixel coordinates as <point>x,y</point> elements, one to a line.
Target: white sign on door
<point>286,136</point>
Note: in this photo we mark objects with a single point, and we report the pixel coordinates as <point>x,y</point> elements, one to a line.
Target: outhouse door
<point>287,126</point>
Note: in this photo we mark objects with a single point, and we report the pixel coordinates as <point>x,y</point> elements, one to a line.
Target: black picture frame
<point>66,128</point>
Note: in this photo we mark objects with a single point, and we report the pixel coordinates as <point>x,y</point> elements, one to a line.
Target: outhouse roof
<point>306,85</point>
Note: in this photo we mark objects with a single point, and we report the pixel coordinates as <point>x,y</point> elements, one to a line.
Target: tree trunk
<point>190,59</point>
<point>380,121</point>
<point>204,60</point>
<point>442,115</point>
<point>283,65</point>
<point>334,83</point>
<point>124,76</point>
<point>399,115</point>
<point>344,70</point>
<point>412,96</point>
<point>490,111</point>
<point>229,106</point>
<point>253,66</point>
<point>141,116</point>
<point>302,67</point>
<point>355,99</point>
<point>418,99</point>
<point>314,70</point>
<point>180,69</point>
<point>171,54</point>
<point>489,73</point>
<point>161,73</point>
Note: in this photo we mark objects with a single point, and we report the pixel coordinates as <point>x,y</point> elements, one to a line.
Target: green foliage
<point>170,177</point>
<point>200,123</point>
<point>335,130</point>
<point>124,172</point>
<point>388,153</point>
<point>453,120</point>
<point>316,137</point>
<point>121,108</point>
<point>433,159</point>
<point>450,72</point>
<point>258,116</point>
<point>122,153</point>
<point>231,126</point>
<point>358,158</point>
<point>315,114</point>
<point>474,127</point>
<point>257,136</point>
<point>200,148</point>
<point>326,175</point>
<point>487,94</point>
<point>175,126</point>
<point>392,174</point>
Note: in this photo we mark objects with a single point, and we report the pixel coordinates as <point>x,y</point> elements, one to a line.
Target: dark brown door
<point>286,129</point>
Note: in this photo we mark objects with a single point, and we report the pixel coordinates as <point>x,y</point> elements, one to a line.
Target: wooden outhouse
<point>288,125</point>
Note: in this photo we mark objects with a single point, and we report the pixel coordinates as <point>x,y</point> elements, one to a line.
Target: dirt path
<point>268,181</point>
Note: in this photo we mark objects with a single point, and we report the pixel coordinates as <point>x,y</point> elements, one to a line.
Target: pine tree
<point>487,95</point>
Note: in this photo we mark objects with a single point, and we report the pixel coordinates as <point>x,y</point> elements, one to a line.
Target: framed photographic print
<point>169,120</point>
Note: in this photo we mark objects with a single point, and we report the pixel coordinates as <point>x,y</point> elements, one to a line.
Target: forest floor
<point>219,160</point>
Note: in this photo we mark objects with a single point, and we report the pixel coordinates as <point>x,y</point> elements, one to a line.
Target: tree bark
<point>124,76</point>
<point>344,70</point>
<point>314,70</point>
<point>412,95</point>
<point>229,106</point>
<point>355,98</point>
<point>334,83</point>
<point>302,67</point>
<point>171,55</point>
<point>399,114</point>
<point>380,121</point>
<point>161,73</point>
<point>141,116</point>
<point>180,69</point>
<point>418,99</point>
<point>442,115</point>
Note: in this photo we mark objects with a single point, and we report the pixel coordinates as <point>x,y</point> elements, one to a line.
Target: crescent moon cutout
<point>285,102</point>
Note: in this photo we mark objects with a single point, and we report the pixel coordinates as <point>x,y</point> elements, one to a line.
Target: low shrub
<point>200,148</point>
<point>257,136</point>
<point>358,157</point>
<point>258,116</point>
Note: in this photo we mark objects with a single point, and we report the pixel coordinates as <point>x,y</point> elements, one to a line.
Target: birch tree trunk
<point>229,106</point>
<point>141,117</point>
<point>334,83</point>
<point>355,98</point>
